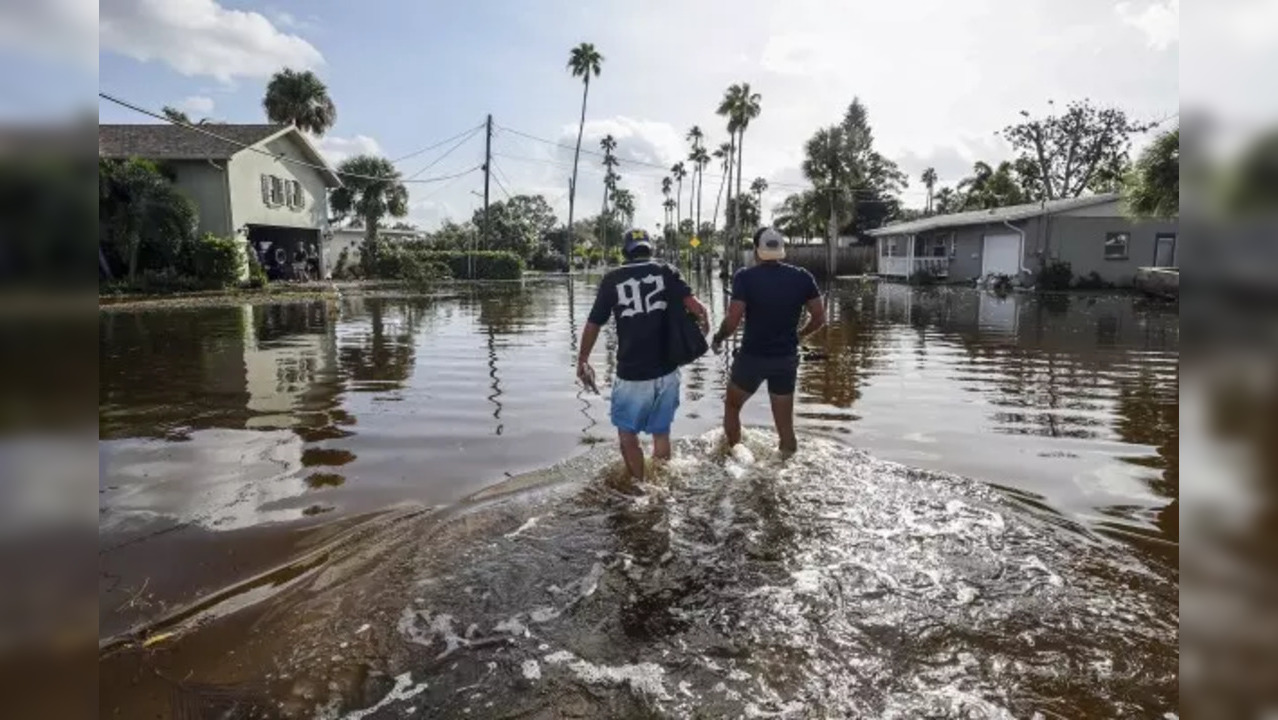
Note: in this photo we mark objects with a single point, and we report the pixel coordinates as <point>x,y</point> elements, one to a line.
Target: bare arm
<point>736,311</point>
<point>816,317</point>
<point>585,373</point>
<point>696,307</point>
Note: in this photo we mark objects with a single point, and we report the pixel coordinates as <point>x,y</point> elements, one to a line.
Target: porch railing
<point>901,267</point>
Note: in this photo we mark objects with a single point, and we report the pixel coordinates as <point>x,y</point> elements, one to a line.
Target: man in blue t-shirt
<point>770,296</point>
<point>645,393</point>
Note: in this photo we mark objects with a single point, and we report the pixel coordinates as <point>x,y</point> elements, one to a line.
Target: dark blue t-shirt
<point>639,294</point>
<point>774,295</point>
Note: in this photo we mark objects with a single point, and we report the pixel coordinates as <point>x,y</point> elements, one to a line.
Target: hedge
<point>217,262</point>
<point>489,265</point>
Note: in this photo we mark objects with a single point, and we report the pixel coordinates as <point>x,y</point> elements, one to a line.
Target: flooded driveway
<point>407,503</point>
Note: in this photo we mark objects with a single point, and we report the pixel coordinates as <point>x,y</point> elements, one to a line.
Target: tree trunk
<point>831,239</point>
<point>740,162</point>
<point>732,244</point>
<point>576,156</point>
<point>135,246</point>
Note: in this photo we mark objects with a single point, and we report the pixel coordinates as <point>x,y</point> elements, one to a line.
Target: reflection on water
<point>261,428</point>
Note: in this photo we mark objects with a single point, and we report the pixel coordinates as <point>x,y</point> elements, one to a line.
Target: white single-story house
<point>1090,233</point>
<point>350,239</point>
<point>267,184</point>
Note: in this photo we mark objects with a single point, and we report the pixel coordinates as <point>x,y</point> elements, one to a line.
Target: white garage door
<point>1002,255</point>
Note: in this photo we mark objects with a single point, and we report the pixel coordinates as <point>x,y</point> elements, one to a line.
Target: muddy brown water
<point>405,506</point>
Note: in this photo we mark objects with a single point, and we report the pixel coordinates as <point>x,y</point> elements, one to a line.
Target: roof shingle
<point>173,142</point>
<point>1010,213</point>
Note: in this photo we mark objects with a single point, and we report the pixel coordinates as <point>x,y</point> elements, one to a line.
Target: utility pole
<point>488,171</point>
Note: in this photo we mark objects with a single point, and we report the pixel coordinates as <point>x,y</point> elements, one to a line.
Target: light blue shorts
<point>645,405</point>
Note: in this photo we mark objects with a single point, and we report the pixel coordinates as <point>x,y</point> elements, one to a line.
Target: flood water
<point>406,507</point>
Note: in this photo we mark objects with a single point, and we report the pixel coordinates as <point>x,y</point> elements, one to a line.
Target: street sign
<point>695,242</point>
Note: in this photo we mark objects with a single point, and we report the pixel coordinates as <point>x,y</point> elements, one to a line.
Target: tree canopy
<point>1085,148</point>
<point>518,224</point>
<point>144,220</point>
<point>372,190</point>
<point>299,99</point>
<point>1152,188</point>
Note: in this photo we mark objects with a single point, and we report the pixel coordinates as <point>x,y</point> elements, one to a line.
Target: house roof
<point>163,141</point>
<point>174,142</point>
<point>1010,213</point>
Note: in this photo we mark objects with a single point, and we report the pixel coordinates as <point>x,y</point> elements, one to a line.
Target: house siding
<point>204,182</point>
<point>1080,241</point>
<point>247,207</point>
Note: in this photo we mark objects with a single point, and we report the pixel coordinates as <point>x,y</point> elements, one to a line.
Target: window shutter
<point>266,190</point>
<point>297,193</point>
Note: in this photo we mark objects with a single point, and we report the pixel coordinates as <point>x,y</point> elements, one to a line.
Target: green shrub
<point>256,273</point>
<point>217,262</point>
<point>489,265</point>
<point>399,264</point>
<point>1056,276</point>
<point>1093,281</point>
<point>341,269</point>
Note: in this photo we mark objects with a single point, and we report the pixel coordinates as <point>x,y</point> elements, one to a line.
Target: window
<point>937,247</point>
<point>1116,245</point>
<point>277,190</point>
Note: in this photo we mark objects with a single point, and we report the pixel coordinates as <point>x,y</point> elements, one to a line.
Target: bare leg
<point>783,417</point>
<point>632,452</point>
<point>661,447</point>
<point>732,404</point>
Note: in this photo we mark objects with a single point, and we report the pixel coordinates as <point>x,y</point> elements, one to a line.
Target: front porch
<point>905,256</point>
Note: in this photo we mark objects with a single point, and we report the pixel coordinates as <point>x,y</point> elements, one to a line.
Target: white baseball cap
<point>769,244</point>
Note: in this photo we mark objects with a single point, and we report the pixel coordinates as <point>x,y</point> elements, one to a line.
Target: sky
<point>940,78</point>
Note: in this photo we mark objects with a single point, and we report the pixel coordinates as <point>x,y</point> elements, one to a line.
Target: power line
<point>447,152</point>
<point>415,153</point>
<point>278,157</point>
<point>447,185</point>
<point>498,176</point>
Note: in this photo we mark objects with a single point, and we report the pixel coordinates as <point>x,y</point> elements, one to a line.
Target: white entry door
<point>1002,255</point>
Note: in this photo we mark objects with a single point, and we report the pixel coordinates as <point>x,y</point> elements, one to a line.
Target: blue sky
<point>939,77</point>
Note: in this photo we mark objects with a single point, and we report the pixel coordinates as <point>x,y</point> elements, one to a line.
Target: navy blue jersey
<point>774,294</point>
<point>638,296</point>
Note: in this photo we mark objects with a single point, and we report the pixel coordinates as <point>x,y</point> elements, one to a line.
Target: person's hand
<point>586,375</point>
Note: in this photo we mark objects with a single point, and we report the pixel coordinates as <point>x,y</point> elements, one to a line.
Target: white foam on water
<point>404,689</point>
<point>531,670</point>
<point>825,573</point>
<point>528,525</point>
<point>647,679</point>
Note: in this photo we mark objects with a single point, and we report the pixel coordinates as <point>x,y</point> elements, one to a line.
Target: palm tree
<point>758,186</point>
<point>624,202</point>
<point>667,185</point>
<point>699,159</point>
<point>828,166</point>
<point>669,205</point>
<point>608,144</point>
<point>583,62</point>
<point>740,106</point>
<point>724,153</point>
<point>371,191</point>
<point>299,99</point>
<point>929,181</point>
<point>679,173</point>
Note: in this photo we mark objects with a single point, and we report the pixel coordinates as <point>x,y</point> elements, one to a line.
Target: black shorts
<point>749,372</point>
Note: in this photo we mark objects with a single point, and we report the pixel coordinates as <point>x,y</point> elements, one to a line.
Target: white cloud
<point>197,105</point>
<point>336,149</point>
<point>1159,21</point>
<point>51,29</point>
<point>201,37</point>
